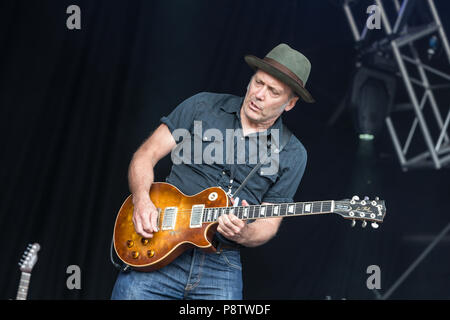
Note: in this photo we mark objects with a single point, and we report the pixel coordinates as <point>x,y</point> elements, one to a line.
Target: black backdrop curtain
<point>76,104</point>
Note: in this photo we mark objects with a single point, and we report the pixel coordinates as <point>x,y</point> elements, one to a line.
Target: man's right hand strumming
<point>145,217</point>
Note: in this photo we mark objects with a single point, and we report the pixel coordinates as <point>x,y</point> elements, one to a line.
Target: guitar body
<point>154,253</point>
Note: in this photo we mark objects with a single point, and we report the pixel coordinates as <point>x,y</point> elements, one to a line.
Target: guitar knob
<point>130,243</point>
<point>144,241</point>
<point>150,253</point>
<point>135,254</point>
<point>353,223</point>
<point>364,224</point>
<point>374,225</point>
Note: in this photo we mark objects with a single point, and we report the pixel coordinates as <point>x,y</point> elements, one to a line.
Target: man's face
<point>266,99</point>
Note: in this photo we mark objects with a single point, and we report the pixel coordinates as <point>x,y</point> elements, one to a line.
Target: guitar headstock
<point>364,210</point>
<point>29,257</point>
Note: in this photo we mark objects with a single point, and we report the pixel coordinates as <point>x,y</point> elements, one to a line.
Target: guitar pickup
<point>170,218</point>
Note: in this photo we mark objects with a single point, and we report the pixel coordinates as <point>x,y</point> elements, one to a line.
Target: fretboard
<point>270,210</point>
<point>23,286</point>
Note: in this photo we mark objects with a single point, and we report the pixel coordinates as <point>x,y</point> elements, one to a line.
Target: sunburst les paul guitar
<point>191,221</point>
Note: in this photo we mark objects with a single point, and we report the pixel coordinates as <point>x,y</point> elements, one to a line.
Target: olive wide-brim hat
<point>287,65</point>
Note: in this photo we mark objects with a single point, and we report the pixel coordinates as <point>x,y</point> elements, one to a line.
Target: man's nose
<point>261,93</point>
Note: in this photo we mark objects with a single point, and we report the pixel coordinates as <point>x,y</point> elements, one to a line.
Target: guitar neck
<point>23,286</point>
<point>270,210</point>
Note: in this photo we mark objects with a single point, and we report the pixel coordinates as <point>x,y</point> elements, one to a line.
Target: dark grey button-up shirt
<point>207,126</point>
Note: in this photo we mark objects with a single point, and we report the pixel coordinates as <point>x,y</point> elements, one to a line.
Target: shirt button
<point>223,172</point>
<point>205,138</point>
<point>242,138</point>
<point>231,181</point>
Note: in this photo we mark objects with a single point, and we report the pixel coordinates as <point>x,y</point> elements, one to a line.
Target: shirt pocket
<point>259,183</point>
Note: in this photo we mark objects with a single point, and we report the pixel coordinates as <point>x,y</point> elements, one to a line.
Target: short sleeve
<point>284,189</point>
<point>183,115</point>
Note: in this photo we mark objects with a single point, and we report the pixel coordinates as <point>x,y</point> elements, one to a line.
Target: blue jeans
<point>195,274</point>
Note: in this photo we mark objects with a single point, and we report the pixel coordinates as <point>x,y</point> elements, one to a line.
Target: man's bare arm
<point>141,176</point>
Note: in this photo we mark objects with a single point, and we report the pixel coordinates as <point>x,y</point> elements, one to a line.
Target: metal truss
<point>422,93</point>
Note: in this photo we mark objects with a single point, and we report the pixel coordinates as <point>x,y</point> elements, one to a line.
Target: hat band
<point>283,69</point>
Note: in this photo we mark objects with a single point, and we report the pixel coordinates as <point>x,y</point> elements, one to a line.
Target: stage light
<point>366,136</point>
<point>371,98</point>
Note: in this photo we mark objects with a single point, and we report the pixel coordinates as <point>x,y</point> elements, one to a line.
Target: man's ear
<point>291,103</point>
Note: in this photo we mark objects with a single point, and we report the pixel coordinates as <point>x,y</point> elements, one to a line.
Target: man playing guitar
<point>277,84</point>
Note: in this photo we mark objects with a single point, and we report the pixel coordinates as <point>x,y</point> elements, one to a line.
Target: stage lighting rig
<point>393,54</point>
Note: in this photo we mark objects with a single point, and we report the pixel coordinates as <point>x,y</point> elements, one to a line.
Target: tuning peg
<point>353,222</point>
<point>364,224</point>
<point>366,198</point>
<point>355,198</point>
<point>377,198</point>
<point>374,225</point>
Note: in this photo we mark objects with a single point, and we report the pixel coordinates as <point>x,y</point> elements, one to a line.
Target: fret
<point>217,213</point>
<point>290,209</point>
<point>262,211</point>
<point>251,213</point>
<point>276,209</point>
<point>245,213</point>
<point>284,209</point>
<point>316,207</point>
<point>268,212</point>
<point>307,208</point>
<point>256,212</point>
<point>298,209</point>
<point>209,215</point>
<point>326,206</point>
